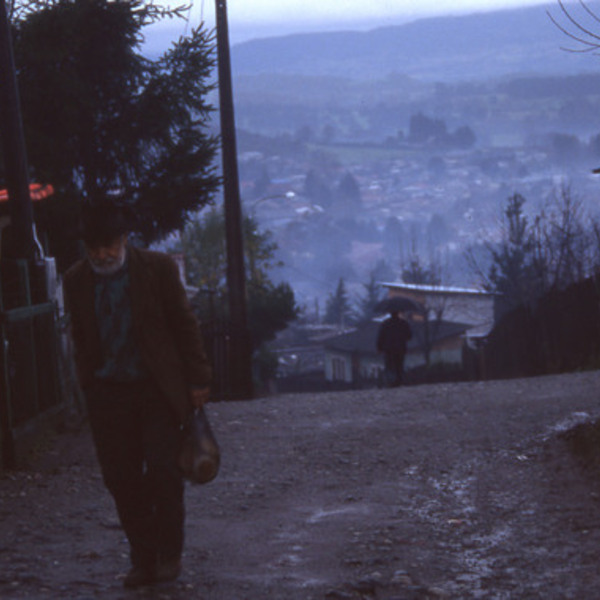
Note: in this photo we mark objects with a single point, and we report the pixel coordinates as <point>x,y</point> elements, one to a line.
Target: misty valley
<point>361,175</point>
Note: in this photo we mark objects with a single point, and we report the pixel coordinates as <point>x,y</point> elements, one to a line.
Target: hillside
<point>476,46</point>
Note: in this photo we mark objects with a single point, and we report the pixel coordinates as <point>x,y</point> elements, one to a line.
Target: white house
<point>470,306</point>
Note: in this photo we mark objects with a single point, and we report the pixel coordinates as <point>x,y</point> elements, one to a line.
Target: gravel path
<point>472,490</point>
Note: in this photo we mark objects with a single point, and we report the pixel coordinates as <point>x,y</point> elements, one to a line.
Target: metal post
<point>13,146</point>
<point>236,276</point>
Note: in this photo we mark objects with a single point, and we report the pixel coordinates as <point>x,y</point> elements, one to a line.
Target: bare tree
<point>566,240</point>
<point>579,28</point>
<point>551,250</point>
<point>418,273</point>
<point>595,241</point>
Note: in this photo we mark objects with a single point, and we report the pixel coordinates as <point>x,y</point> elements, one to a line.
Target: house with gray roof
<point>352,358</point>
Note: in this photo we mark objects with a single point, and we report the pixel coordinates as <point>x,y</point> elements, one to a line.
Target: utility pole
<point>13,147</point>
<point>241,362</point>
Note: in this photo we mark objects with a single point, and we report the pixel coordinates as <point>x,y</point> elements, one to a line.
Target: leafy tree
<point>423,129</point>
<point>270,309</point>
<point>270,306</point>
<point>349,191</point>
<point>99,116</point>
<point>463,138</point>
<point>338,310</point>
<point>260,252</point>
<point>317,189</point>
<point>203,244</point>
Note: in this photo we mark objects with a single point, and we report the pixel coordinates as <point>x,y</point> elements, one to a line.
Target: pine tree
<point>99,116</point>
<point>271,307</point>
<point>349,192</point>
<point>512,273</point>
<point>370,300</point>
<point>338,310</point>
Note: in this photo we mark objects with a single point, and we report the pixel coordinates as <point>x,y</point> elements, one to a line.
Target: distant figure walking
<point>392,338</point>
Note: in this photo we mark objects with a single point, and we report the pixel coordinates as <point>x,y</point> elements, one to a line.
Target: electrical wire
<point>187,19</point>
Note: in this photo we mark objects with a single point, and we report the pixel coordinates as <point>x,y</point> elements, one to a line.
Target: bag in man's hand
<point>200,457</point>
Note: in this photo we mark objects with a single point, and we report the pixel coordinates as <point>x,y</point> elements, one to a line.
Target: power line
<point>188,18</point>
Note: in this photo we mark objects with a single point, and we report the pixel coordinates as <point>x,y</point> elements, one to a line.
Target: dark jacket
<point>393,335</point>
<point>164,325</point>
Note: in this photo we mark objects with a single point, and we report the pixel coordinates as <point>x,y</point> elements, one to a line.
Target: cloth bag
<point>200,457</point>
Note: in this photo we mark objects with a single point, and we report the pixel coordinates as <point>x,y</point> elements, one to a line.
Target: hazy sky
<point>263,18</point>
<point>352,10</point>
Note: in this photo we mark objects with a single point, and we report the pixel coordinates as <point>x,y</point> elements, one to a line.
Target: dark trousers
<point>137,438</point>
<point>394,368</point>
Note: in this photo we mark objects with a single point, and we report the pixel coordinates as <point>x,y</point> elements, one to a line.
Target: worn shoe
<point>139,576</point>
<point>169,570</point>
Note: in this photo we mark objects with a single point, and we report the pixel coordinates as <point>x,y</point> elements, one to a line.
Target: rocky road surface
<point>471,490</point>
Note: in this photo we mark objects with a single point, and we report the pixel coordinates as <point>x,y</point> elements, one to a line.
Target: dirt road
<point>474,490</point>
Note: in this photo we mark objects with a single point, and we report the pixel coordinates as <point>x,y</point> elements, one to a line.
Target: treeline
<point>559,333</point>
<point>424,130</point>
<point>531,88</point>
<point>540,253</point>
<point>570,150</point>
<point>546,270</point>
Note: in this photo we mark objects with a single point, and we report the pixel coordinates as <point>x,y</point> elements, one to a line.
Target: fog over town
<point>363,151</point>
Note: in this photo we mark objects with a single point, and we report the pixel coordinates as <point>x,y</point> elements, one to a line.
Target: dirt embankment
<point>475,490</point>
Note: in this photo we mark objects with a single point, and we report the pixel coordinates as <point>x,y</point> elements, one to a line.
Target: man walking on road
<point>142,367</point>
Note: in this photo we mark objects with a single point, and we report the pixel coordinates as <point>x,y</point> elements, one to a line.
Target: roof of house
<point>435,289</point>
<point>364,338</point>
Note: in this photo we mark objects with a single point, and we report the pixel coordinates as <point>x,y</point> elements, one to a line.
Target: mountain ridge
<point>447,48</point>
